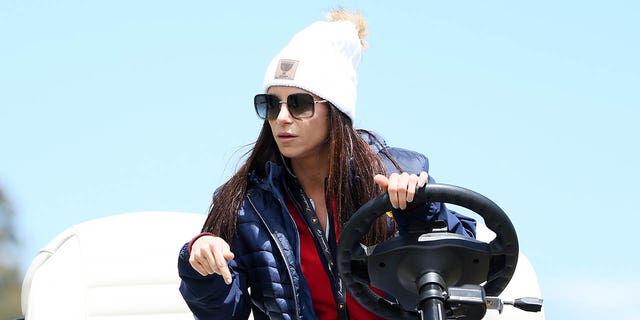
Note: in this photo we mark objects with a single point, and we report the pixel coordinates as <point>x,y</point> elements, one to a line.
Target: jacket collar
<point>272,181</point>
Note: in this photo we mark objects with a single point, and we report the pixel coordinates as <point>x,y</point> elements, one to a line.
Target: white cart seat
<point>121,267</point>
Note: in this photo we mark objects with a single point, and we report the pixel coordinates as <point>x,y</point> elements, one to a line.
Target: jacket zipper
<point>295,296</point>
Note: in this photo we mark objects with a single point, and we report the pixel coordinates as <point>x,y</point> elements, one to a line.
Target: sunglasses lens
<point>301,105</point>
<point>266,105</point>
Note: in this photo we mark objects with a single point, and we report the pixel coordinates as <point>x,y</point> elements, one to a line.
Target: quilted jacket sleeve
<point>415,162</point>
<point>209,297</point>
<point>456,222</point>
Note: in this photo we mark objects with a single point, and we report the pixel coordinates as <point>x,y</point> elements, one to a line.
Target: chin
<point>288,153</point>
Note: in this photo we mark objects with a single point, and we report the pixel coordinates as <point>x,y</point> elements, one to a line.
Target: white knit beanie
<point>323,58</point>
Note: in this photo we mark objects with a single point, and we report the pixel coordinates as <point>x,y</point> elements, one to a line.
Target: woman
<point>269,242</point>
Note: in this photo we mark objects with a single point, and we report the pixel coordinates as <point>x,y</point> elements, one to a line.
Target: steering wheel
<point>403,265</point>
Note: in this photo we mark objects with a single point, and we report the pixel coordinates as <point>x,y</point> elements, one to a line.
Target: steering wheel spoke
<point>360,266</point>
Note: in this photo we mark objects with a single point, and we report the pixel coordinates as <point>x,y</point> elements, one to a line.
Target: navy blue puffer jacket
<point>267,277</point>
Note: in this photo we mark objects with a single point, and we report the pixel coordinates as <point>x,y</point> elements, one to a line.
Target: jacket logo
<point>286,69</point>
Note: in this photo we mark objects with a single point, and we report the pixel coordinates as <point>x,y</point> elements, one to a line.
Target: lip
<point>285,136</point>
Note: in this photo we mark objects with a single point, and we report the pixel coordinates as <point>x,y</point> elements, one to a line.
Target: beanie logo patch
<point>286,69</point>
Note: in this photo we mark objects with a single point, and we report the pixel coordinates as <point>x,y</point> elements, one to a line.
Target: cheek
<point>322,121</point>
<point>321,130</point>
<point>271,127</point>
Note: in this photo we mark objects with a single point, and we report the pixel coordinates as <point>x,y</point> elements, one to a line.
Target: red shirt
<point>324,303</point>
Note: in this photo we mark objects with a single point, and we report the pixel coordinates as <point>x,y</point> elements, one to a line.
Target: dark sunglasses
<point>300,105</point>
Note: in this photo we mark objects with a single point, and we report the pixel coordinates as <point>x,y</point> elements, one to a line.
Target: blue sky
<point>118,106</point>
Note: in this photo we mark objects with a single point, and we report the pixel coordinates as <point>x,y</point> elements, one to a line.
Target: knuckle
<point>194,255</point>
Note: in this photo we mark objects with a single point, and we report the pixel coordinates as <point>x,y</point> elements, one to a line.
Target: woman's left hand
<point>401,187</point>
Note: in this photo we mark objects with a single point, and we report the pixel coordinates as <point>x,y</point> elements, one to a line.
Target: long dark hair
<point>352,166</point>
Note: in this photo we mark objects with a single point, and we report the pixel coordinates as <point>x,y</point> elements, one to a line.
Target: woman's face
<point>300,138</point>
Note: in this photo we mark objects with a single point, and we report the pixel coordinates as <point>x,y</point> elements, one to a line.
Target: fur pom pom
<point>353,17</point>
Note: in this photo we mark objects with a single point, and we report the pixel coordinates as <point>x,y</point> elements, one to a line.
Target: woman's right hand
<point>209,255</point>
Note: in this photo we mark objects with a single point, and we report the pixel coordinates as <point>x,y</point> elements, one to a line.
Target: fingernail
<point>227,280</point>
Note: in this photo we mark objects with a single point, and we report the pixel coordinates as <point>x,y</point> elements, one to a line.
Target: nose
<point>283,114</point>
